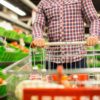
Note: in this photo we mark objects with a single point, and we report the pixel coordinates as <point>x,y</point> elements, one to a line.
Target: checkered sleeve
<point>91,16</point>
<point>39,24</point>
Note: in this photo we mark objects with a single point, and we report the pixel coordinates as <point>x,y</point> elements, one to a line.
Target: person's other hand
<point>39,42</point>
<point>92,40</point>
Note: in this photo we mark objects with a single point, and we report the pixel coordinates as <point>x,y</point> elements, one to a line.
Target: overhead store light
<point>12,7</point>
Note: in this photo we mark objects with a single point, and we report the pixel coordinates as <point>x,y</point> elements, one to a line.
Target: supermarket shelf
<point>12,40</point>
<point>17,22</point>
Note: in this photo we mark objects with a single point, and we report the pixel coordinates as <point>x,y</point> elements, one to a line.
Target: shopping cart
<point>89,76</point>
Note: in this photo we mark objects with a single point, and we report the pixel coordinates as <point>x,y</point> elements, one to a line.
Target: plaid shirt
<point>65,22</point>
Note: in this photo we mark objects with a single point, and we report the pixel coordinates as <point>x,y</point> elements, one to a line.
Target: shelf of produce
<point>11,40</point>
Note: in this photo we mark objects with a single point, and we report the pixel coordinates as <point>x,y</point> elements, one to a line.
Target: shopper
<point>65,22</point>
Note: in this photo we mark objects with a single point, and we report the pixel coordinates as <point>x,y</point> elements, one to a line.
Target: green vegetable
<point>2,49</point>
<point>3,90</point>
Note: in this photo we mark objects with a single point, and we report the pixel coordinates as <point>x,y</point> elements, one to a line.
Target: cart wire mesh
<point>91,57</point>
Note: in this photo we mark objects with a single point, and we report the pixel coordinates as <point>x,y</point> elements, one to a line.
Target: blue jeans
<point>77,64</point>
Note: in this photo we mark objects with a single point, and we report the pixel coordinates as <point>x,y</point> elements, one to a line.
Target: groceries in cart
<point>57,80</point>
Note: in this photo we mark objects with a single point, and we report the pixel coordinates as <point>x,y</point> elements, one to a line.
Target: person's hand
<point>39,42</point>
<point>92,40</point>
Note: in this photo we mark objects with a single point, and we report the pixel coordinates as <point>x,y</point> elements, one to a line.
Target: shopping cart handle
<point>66,43</point>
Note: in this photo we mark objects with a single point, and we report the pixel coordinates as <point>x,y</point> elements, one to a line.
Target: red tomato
<point>1,80</point>
<point>14,43</point>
